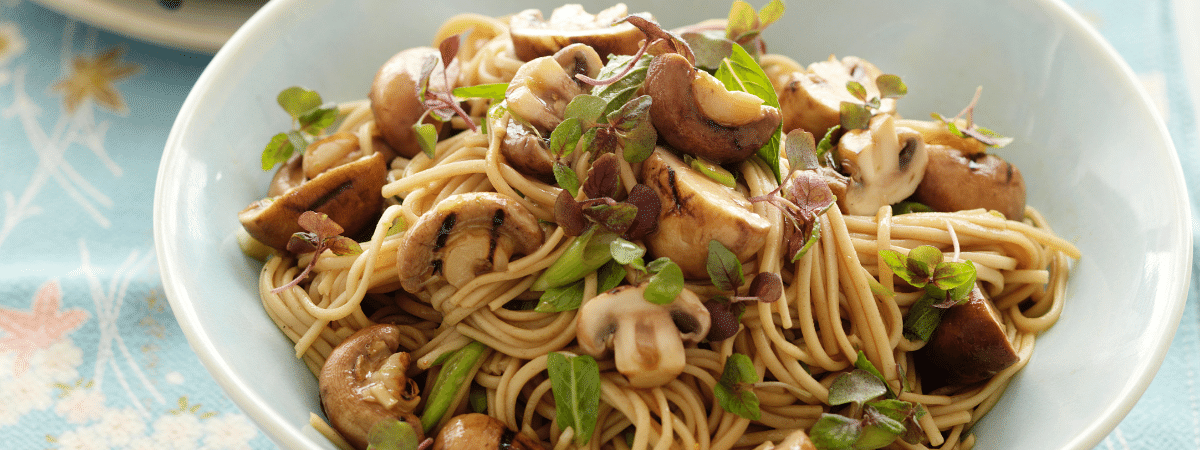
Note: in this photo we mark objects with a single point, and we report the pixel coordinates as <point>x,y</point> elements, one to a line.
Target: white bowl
<point>1096,157</point>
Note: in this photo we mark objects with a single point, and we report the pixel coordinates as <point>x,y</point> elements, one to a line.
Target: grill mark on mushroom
<point>329,196</point>
<point>444,231</point>
<point>674,188</point>
<point>497,222</point>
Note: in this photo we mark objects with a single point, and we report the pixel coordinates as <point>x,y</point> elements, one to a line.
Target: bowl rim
<point>284,433</point>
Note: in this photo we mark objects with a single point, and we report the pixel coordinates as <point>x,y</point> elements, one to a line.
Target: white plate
<point>197,25</point>
<point>1096,157</point>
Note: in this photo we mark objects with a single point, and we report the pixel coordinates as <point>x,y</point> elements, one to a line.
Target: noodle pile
<point>798,345</point>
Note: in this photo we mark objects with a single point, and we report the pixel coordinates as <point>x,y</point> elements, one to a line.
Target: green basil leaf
<point>575,382</point>
<point>297,100</point>
<point>665,284</point>
<point>610,275</point>
<point>566,178</point>
<point>624,87</point>
<point>277,151</point>
<point>733,391</point>
<point>494,91</point>
<point>561,298</point>
<point>921,262</point>
<point>742,73</point>
<point>587,108</point>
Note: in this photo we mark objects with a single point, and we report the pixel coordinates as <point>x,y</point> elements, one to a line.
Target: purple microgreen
<point>833,431</point>
<point>320,233</point>
<point>392,434</point>
<point>726,318</point>
<point>627,74</point>
<point>710,169</point>
<point>638,143</point>
<point>907,414</point>
<point>566,177</point>
<point>441,103</point>
<point>855,116</point>
<point>575,383</point>
<point>612,215</point>
<point>449,48</point>
<point>735,390</point>
<point>801,150</point>
<point>891,86</point>
<point>954,275</point>
<point>632,114</point>
<point>805,196</point>
<point>655,34</point>
<point>862,363</point>
<point>665,283</point>
<point>648,207</point>
<point>561,298</point>
<point>767,287</point>
<point>826,145</point>
<point>603,177</point>
<point>740,72</point>
<point>857,90</point>
<point>426,135</point>
<point>564,137</point>
<point>491,91</point>
<point>984,135</point>
<point>723,267</point>
<point>569,214</point>
<point>878,430</point>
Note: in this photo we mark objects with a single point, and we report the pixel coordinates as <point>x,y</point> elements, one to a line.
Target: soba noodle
<point>827,314</point>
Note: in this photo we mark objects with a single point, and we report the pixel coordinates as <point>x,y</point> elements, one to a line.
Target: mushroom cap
<point>526,151</point>
<point>344,381</point>
<point>474,431</point>
<point>968,346</point>
<point>695,114</point>
<point>394,97</point>
<point>540,91</point>
<point>646,339</point>
<point>533,36</point>
<point>350,194</point>
<point>811,99</point>
<point>463,236</point>
<point>956,180</point>
<point>695,210</point>
<point>885,164</point>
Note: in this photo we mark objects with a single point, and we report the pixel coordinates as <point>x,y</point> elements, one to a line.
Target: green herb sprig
<point>310,117</point>
<point>320,233</point>
<point>575,382</point>
<point>984,135</point>
<point>873,417</point>
<point>857,116</point>
<point>946,283</point>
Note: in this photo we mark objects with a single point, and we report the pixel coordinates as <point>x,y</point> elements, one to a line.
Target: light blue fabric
<point>77,188</point>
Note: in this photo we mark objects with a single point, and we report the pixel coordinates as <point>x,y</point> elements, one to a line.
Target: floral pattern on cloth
<point>90,354</point>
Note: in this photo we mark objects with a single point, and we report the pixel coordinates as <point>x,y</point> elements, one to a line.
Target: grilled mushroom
<point>811,100</point>
<point>349,194</point>
<point>533,36</point>
<point>464,236</point>
<point>363,382</point>
<point>394,96</point>
<point>694,113</point>
<point>885,164</point>
<point>961,174</point>
<point>695,210</point>
<point>476,431</point>
<point>968,346</point>
<point>646,339</point>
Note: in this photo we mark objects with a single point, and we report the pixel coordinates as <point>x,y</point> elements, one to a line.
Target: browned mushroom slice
<point>394,99</point>
<point>956,181</point>
<point>695,210</point>
<point>647,340</point>
<point>937,133</point>
<point>694,113</point>
<point>811,100</point>
<point>969,345</point>
<point>533,36</point>
<point>364,382</point>
<point>464,236</point>
<point>476,431</point>
<point>350,194</point>
<point>885,164</point>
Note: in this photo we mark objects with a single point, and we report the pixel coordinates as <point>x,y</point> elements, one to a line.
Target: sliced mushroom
<point>464,236</point>
<point>955,181</point>
<point>534,37</point>
<point>363,382</point>
<point>695,210</point>
<point>538,95</point>
<point>885,164</point>
<point>811,100</point>
<point>646,339</point>
<point>476,431</point>
<point>694,113</point>
<point>394,96</point>
<point>350,194</point>
<point>968,346</point>
<point>937,133</point>
<point>798,440</point>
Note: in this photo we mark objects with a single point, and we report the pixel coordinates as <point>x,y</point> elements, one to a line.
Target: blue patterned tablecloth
<point>90,354</point>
